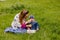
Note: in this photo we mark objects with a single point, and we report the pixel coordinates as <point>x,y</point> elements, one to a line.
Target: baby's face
<point>31,19</point>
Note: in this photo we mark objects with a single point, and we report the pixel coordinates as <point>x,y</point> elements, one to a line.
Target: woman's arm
<point>28,21</point>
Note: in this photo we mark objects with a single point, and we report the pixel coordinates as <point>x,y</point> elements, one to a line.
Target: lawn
<point>46,13</point>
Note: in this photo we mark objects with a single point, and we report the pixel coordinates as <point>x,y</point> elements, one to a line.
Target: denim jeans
<point>34,26</point>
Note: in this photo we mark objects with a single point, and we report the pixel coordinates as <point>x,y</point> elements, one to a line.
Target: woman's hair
<point>22,15</point>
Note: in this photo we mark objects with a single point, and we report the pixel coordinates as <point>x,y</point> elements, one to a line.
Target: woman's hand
<point>29,25</point>
<point>28,21</point>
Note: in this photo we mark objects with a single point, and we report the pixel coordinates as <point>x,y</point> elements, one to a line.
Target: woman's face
<point>26,15</point>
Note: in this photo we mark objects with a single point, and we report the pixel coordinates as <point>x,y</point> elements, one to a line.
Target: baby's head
<point>31,18</point>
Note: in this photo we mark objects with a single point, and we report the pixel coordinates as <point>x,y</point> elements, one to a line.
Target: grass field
<point>46,12</point>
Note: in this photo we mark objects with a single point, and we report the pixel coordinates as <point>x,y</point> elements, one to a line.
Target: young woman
<point>19,19</point>
<point>18,24</point>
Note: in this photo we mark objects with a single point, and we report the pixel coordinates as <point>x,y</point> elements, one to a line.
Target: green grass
<point>46,12</point>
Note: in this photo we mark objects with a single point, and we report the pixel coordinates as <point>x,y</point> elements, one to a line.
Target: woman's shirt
<point>23,24</point>
<point>15,22</point>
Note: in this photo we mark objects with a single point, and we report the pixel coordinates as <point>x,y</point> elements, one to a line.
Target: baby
<point>33,25</point>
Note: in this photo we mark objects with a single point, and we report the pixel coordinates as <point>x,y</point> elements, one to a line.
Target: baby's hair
<point>31,16</point>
